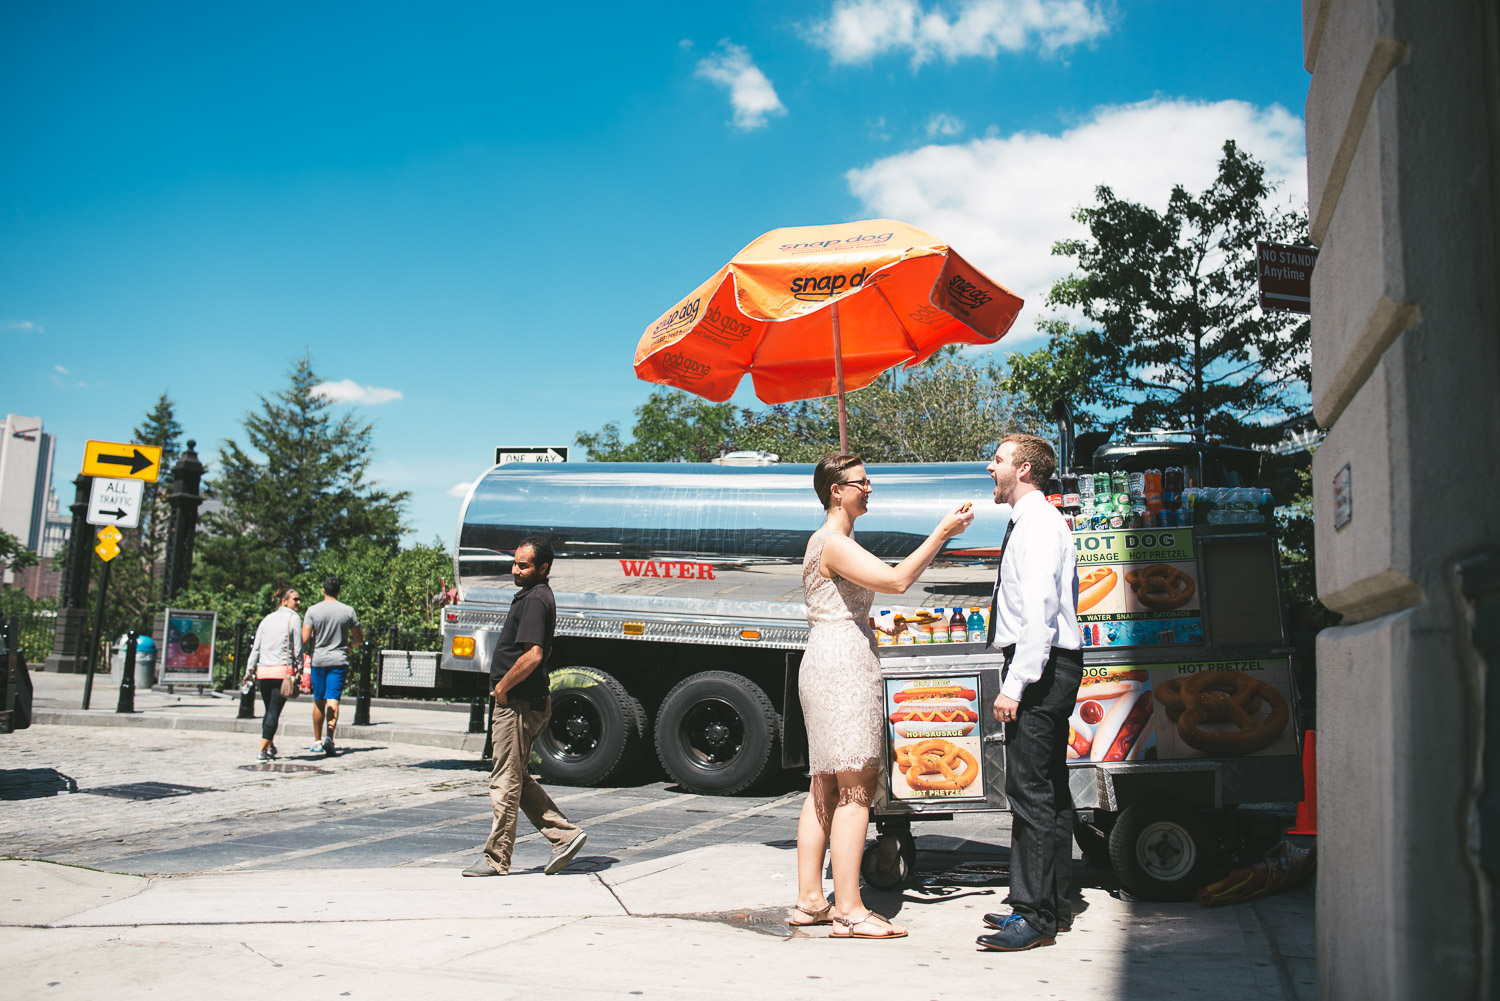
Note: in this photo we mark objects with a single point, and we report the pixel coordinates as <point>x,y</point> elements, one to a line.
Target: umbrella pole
<point>838,374</point>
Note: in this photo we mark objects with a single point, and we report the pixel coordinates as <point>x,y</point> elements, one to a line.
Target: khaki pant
<point>514,728</point>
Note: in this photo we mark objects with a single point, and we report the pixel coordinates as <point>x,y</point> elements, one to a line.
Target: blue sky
<point>468,213</point>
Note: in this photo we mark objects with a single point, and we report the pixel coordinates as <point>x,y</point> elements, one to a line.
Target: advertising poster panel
<point>189,654</point>
<point>934,737</point>
<point>1174,712</point>
<point>1138,588</point>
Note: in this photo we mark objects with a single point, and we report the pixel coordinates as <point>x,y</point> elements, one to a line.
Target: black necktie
<point>995,598</point>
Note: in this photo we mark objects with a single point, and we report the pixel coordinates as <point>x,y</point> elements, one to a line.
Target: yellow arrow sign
<point>109,543</point>
<point>115,459</point>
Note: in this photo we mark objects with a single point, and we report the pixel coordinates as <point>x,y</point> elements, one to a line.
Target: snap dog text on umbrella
<point>966,293</point>
<point>845,243</point>
<point>682,367</point>
<point>720,326</point>
<point>816,288</point>
<point>686,314</point>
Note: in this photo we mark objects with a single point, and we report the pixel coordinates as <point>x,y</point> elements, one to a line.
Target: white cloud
<point>857,31</point>
<point>349,391</point>
<point>1002,201</point>
<point>460,490</point>
<point>750,91</point>
<point>59,368</point>
<point>26,325</point>
<point>943,124</point>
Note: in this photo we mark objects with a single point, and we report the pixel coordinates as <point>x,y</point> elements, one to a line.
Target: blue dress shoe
<point>995,920</point>
<point>1013,934</point>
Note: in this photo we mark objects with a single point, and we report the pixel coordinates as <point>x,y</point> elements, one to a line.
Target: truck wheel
<point>1163,850</point>
<point>717,733</point>
<point>596,730</point>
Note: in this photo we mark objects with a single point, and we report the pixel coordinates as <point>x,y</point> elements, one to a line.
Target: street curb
<point>473,742</point>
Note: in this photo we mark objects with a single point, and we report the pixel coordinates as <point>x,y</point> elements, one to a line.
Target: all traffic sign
<point>116,459</point>
<point>115,502</point>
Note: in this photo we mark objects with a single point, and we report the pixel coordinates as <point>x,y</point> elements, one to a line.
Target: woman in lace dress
<point>841,696</point>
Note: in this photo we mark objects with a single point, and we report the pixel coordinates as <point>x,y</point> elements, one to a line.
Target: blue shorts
<point>328,682</point>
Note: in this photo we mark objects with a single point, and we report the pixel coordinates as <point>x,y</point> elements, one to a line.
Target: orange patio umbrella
<point>813,311</point>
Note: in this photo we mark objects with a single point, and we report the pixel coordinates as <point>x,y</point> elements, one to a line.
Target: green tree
<point>1176,339</point>
<point>949,409</point>
<point>296,488</point>
<point>14,555</point>
<point>671,426</point>
<point>137,575</point>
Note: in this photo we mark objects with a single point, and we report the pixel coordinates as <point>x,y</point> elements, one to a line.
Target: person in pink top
<point>275,654</point>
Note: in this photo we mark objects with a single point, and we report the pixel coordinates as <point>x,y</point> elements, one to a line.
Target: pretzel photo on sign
<point>1161,587</point>
<point>936,765</point>
<point>1223,697</point>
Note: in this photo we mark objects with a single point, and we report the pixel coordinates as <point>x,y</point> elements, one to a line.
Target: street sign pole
<point>88,681</point>
<point>108,548</point>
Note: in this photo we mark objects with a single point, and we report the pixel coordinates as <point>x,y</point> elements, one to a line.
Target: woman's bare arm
<point>844,557</point>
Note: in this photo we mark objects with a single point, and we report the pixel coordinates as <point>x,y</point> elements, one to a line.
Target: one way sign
<point>115,502</point>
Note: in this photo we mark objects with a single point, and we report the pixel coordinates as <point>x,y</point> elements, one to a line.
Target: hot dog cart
<point>1186,711</point>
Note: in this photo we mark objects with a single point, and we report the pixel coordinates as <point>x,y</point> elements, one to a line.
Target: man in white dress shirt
<point>1034,621</point>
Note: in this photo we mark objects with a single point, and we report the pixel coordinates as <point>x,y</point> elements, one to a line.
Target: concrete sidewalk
<point>703,924</point>
<point>59,699</point>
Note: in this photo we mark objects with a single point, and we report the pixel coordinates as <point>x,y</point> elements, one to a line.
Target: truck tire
<point>596,731</point>
<point>1093,841</point>
<point>1163,850</point>
<point>717,733</point>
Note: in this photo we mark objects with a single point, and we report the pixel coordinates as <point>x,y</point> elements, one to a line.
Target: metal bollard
<point>362,700</point>
<point>126,704</point>
<point>476,714</point>
<point>247,698</point>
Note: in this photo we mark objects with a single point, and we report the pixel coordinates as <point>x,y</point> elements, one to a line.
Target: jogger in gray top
<point>328,629</point>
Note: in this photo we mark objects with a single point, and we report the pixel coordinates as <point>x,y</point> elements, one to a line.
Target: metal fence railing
<point>36,632</point>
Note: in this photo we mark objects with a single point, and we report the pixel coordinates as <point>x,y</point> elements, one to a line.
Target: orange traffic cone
<point>1307,810</point>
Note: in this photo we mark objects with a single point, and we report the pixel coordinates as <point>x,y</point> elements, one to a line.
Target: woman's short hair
<point>829,471</point>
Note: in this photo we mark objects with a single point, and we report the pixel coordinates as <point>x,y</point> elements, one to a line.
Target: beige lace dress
<point>839,683</point>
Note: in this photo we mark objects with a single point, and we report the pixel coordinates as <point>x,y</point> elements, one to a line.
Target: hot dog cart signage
<point>934,738</point>
<point>1172,712</point>
<point>1138,588</point>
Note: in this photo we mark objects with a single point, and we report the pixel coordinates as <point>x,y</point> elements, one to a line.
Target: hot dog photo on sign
<point>1114,718</point>
<point>934,737</point>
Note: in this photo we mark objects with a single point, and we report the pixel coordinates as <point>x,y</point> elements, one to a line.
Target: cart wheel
<point>1093,842</point>
<point>1162,850</point>
<point>889,860</point>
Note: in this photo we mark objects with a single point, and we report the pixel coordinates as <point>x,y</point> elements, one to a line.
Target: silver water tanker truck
<point>679,598</point>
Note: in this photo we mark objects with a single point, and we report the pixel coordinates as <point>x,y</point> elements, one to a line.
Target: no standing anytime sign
<point>1285,275</point>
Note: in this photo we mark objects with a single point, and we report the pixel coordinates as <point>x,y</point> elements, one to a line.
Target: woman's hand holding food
<point>957,520</point>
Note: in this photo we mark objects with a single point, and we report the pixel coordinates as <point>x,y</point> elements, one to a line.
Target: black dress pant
<point>1036,783</point>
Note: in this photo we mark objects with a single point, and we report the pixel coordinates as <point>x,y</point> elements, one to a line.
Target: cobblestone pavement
<point>179,801</point>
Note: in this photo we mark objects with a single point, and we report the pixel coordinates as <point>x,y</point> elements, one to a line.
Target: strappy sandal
<point>820,916</point>
<point>883,926</point>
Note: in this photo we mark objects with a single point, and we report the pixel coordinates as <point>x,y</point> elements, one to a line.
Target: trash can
<point>145,662</point>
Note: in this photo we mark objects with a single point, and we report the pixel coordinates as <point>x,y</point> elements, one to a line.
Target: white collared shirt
<point>1036,593</point>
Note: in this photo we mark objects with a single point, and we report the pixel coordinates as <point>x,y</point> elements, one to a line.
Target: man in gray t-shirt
<point>327,630</point>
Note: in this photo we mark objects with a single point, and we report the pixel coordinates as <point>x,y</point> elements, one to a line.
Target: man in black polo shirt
<point>518,675</point>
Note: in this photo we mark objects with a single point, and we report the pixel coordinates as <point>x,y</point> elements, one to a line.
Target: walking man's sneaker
<point>482,868</point>
<point>996,920</point>
<point>1014,934</point>
<point>563,854</point>
<point>317,748</point>
<point>263,756</point>
<point>328,745</point>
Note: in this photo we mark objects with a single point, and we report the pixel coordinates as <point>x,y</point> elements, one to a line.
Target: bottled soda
<point>1137,488</point>
<point>1103,487</point>
<point>1086,490</point>
<point>1070,492</point>
<point>978,628</point>
<point>1054,492</point>
<point>1119,482</point>
<point>958,627</point>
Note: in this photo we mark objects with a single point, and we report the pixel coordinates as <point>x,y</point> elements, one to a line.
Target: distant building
<point>28,499</point>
